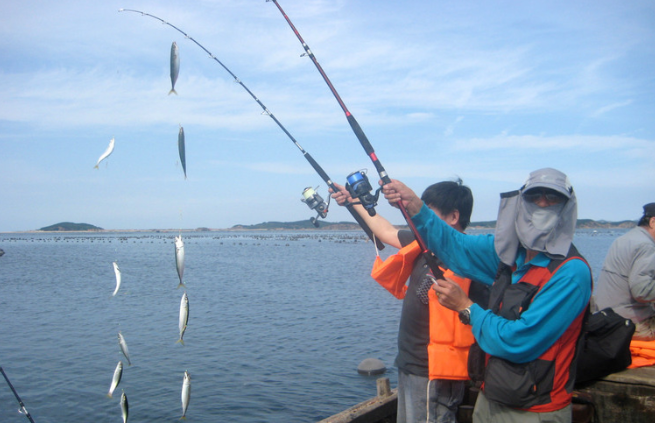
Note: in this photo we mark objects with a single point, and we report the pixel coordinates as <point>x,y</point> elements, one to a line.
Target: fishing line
<point>266,111</point>
<point>22,409</point>
<point>368,148</point>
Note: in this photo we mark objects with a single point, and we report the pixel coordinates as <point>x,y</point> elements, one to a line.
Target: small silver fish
<point>117,271</point>
<point>125,407</point>
<point>116,379</point>
<point>180,147</point>
<point>184,316</point>
<point>106,154</point>
<point>186,393</point>
<point>123,345</point>
<point>179,258</point>
<point>175,66</point>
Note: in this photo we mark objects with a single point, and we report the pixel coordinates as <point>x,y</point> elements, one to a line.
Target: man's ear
<point>453,217</point>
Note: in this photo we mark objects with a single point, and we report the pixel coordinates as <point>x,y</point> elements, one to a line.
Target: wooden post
<point>384,388</point>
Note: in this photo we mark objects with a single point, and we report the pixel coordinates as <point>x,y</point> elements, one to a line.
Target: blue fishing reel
<point>315,202</point>
<point>359,187</point>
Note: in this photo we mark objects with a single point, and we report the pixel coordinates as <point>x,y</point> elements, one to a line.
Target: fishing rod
<point>22,409</point>
<point>358,184</point>
<point>321,207</point>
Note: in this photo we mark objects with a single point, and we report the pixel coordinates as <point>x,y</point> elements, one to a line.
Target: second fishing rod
<point>358,184</point>
<point>313,200</point>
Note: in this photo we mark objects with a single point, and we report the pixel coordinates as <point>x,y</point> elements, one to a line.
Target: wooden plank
<point>374,410</point>
<point>638,376</point>
<point>626,397</point>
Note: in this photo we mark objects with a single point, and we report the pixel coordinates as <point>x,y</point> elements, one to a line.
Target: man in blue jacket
<point>530,331</point>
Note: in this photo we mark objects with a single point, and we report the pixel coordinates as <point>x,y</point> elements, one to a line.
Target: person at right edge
<point>627,280</point>
<point>540,293</point>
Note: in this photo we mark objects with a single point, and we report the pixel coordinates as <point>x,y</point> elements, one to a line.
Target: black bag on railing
<point>604,346</point>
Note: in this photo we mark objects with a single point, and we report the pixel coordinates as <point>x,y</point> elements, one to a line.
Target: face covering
<point>549,230</point>
<point>545,218</point>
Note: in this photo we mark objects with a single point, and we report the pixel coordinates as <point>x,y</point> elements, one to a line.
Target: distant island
<point>69,226</point>
<point>325,225</point>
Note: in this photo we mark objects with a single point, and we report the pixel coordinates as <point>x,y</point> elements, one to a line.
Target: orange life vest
<point>449,338</point>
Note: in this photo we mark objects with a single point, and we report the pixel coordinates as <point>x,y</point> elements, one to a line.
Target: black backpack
<point>604,345</point>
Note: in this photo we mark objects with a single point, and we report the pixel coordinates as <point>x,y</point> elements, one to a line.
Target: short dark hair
<point>448,196</point>
<point>645,220</point>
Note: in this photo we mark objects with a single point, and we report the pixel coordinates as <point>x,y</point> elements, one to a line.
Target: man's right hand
<point>342,196</point>
<point>395,191</point>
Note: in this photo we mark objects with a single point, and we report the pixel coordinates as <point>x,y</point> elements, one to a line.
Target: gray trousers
<point>421,400</point>
<point>492,412</point>
<point>645,331</point>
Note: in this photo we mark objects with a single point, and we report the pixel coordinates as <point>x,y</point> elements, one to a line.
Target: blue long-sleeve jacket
<point>552,311</point>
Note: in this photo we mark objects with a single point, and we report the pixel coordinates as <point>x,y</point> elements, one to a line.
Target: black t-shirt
<point>414,328</point>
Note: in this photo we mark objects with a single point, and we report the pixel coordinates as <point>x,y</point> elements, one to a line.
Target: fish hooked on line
<point>123,345</point>
<point>116,379</point>
<point>119,278</point>
<point>186,392</point>
<point>175,66</point>
<point>125,407</point>
<point>266,111</point>
<point>184,316</point>
<point>108,151</point>
<point>181,149</point>
<point>179,258</point>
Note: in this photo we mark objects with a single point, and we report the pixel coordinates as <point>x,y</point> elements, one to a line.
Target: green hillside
<point>69,226</point>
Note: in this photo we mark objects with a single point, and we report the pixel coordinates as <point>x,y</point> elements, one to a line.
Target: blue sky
<point>485,91</point>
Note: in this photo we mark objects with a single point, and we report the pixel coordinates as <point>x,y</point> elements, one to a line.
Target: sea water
<point>278,323</point>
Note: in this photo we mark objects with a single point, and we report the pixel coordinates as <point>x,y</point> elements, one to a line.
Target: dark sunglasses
<point>551,196</point>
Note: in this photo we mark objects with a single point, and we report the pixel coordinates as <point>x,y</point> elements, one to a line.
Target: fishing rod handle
<point>368,148</point>
<point>433,264</point>
<point>359,133</point>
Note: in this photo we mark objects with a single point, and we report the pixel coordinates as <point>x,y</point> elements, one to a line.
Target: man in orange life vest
<point>432,343</point>
<point>541,289</point>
